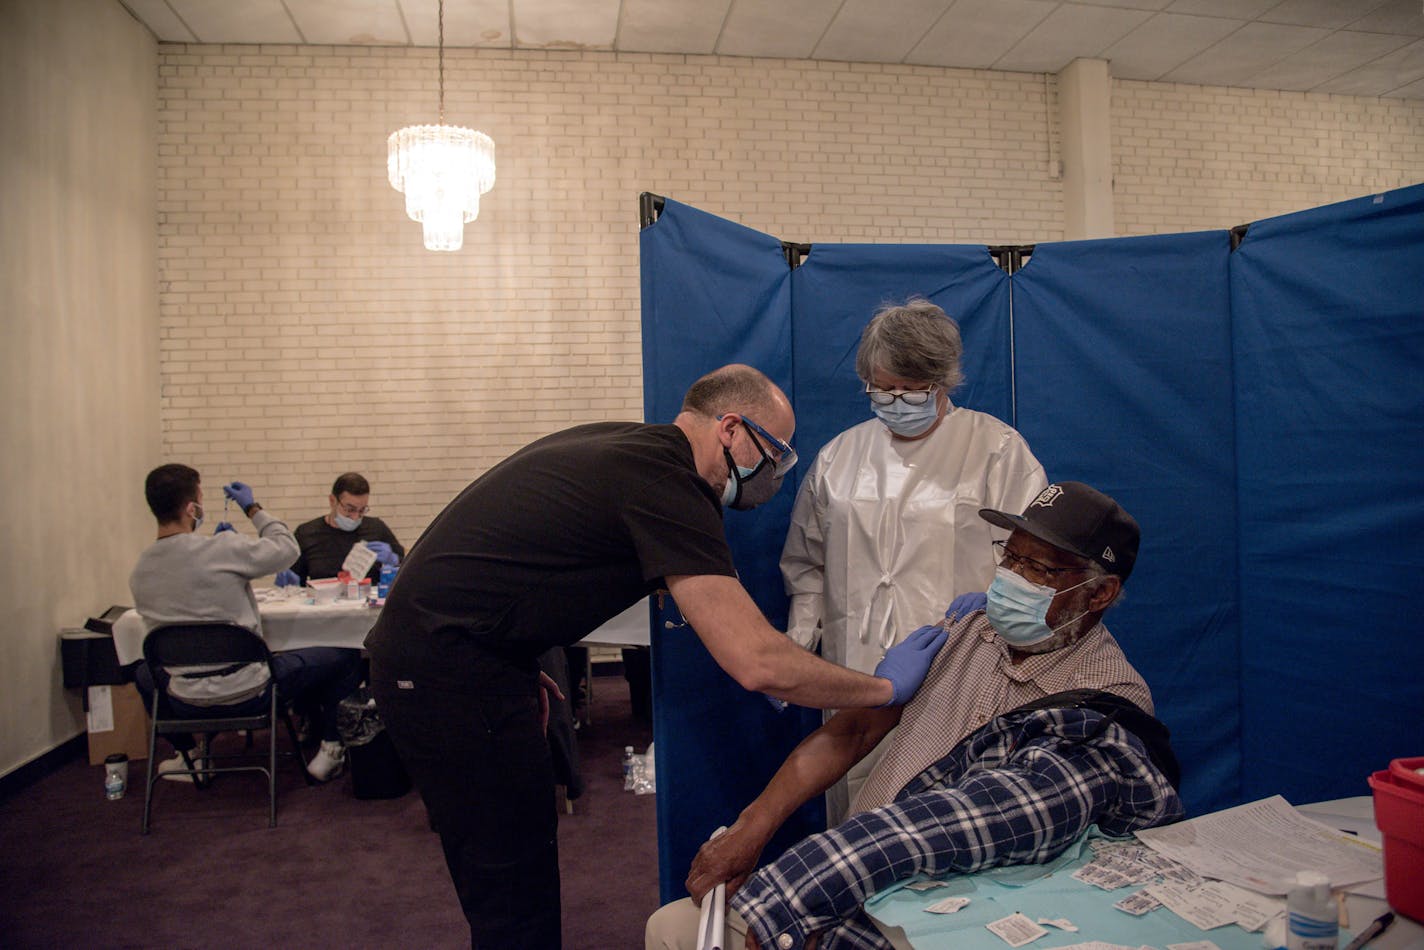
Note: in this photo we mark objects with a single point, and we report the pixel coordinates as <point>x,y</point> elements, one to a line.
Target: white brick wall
<point>306,331</point>
<point>1189,158</point>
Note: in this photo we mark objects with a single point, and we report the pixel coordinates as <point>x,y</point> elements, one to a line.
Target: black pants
<point>482,766</point>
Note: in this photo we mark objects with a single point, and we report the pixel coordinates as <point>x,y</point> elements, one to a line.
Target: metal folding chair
<point>222,646</point>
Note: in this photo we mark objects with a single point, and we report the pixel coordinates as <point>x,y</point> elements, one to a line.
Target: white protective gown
<point>886,532</point>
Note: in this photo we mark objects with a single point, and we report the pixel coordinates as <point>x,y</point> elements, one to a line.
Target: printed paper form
<point>1262,844</point>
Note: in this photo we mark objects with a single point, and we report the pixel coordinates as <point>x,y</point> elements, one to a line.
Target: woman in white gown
<point>886,528</point>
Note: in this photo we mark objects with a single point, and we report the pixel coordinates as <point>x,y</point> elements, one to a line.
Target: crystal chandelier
<point>442,170</point>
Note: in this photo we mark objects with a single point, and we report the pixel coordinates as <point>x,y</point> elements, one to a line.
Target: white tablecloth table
<point>286,625</point>
<point>629,629</point>
<point>289,623</point>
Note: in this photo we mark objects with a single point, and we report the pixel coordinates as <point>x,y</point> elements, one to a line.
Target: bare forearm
<point>799,676</point>
<point>818,763</point>
<point>761,658</point>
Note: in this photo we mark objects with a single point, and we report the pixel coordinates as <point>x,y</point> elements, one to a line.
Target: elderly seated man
<point>1030,727</point>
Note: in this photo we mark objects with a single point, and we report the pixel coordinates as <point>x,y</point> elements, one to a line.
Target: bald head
<point>712,413</point>
<point>737,388</point>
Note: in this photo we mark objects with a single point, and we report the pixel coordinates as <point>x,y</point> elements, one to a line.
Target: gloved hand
<point>223,526</point>
<point>906,663</point>
<point>384,554</point>
<point>287,578</point>
<point>966,604</point>
<point>240,493</point>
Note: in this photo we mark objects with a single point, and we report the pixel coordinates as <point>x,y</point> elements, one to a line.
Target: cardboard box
<point>117,723</point>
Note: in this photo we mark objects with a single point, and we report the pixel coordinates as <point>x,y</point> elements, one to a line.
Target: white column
<point>1084,106</point>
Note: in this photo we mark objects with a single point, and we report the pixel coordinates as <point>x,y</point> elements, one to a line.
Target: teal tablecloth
<point>1042,891</point>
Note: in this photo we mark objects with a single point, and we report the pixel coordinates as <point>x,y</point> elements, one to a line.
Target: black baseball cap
<point>1078,519</point>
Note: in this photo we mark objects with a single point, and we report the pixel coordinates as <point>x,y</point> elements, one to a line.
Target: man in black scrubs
<point>537,552</point>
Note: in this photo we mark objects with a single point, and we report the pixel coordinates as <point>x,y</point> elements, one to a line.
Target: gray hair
<point>915,340</point>
<point>1096,570</point>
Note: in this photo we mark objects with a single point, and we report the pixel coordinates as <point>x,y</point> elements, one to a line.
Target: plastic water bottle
<point>1312,918</point>
<point>116,775</point>
<point>628,779</point>
<point>388,576</point>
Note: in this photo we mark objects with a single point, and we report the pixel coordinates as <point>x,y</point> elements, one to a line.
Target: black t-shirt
<point>546,546</point>
<point>324,548</point>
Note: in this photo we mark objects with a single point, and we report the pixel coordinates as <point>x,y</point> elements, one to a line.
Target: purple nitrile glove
<point>907,663</point>
<point>966,604</point>
<point>384,554</point>
<point>240,493</point>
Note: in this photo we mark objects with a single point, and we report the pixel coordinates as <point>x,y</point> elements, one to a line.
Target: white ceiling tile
<point>878,31</point>
<point>1165,42</point>
<point>565,24</point>
<point>1333,56</point>
<point>1382,77</point>
<point>252,21</point>
<point>671,26</point>
<point>1232,9</point>
<point>1243,54</point>
<point>1334,46</point>
<point>1130,4</point>
<point>467,22</point>
<point>1070,32</point>
<point>1330,14</point>
<point>1394,16</point>
<point>975,33</point>
<point>1414,90</point>
<point>777,28</point>
<point>349,22</point>
<point>160,20</point>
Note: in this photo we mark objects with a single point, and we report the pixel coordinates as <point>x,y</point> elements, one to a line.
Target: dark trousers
<point>322,676</point>
<point>483,767</point>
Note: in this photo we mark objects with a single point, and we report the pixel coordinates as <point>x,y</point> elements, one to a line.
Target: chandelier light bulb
<point>442,170</point>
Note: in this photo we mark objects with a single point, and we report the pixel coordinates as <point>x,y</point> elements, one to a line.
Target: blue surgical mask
<point>345,523</point>
<point>906,420</point>
<point>1018,608</point>
<point>197,516</point>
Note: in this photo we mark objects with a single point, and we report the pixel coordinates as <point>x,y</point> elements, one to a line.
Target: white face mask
<point>345,523</point>
<point>197,516</point>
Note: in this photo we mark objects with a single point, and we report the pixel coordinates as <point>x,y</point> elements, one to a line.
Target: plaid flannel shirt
<point>1017,791</point>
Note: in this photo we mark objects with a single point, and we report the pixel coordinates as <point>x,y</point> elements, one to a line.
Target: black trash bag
<point>376,769</point>
<point>357,721</point>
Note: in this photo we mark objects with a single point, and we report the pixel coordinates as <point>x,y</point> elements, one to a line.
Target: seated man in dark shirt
<point>326,541</point>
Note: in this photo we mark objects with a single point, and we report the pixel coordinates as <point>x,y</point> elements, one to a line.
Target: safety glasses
<point>785,458</point>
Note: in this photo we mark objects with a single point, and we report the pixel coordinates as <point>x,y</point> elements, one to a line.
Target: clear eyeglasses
<point>1036,571</point>
<point>911,397</point>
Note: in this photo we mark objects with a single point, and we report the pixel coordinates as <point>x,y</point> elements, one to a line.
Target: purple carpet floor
<point>335,872</point>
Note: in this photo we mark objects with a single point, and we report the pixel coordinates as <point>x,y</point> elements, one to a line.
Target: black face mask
<point>744,492</point>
